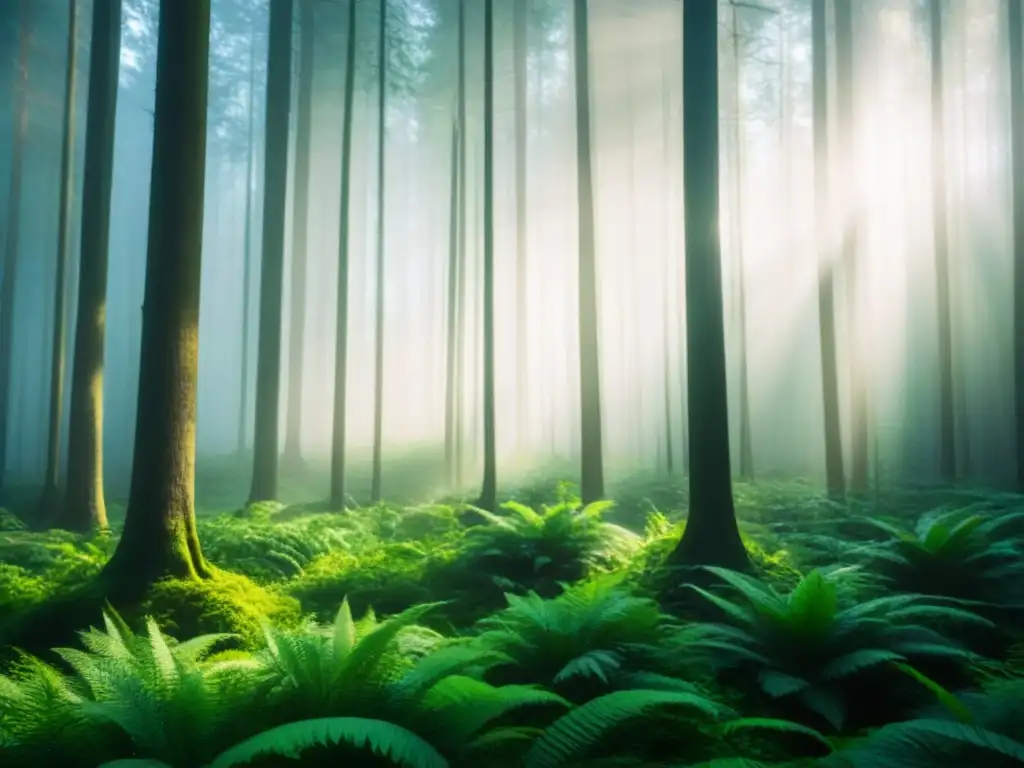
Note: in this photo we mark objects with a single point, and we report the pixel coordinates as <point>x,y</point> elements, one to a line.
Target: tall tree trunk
<point>835,474</point>
<point>452,428</point>
<point>940,215</point>
<point>739,138</point>
<point>667,296</point>
<point>84,505</point>
<point>454,221</point>
<point>12,243</point>
<point>1015,25</point>
<point>243,403</point>
<point>160,526</point>
<point>591,453</point>
<point>338,495</point>
<point>711,536</point>
<point>378,368</point>
<point>300,233</point>
<point>275,186</point>
<point>489,490</point>
<point>846,117</point>
<point>520,20</point>
<point>459,337</point>
<point>49,503</point>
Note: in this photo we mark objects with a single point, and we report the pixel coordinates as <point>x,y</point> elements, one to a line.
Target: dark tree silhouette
<point>711,536</point>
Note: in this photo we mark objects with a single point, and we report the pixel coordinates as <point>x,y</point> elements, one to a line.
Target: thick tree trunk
<point>300,231</point>
<point>338,495</point>
<point>243,402</point>
<point>12,242</point>
<point>1015,27</point>
<point>84,505</point>
<point>835,474</point>
<point>489,491</point>
<point>940,215</point>
<point>711,536</point>
<point>160,529</point>
<point>378,369</point>
<point>591,453</point>
<point>275,185</point>
<point>850,260</point>
<point>50,501</point>
<point>520,29</point>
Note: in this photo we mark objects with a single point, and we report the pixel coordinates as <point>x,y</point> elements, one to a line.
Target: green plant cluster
<point>876,634</point>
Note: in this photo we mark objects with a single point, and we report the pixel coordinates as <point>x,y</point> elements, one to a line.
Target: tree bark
<point>275,185</point>
<point>378,385</point>
<point>300,232</point>
<point>591,453</point>
<point>489,491</point>
<point>451,423</point>
<point>835,475</point>
<point>1015,23</point>
<point>338,496</point>
<point>711,536</point>
<point>160,528</point>
<point>50,500</point>
<point>84,505</point>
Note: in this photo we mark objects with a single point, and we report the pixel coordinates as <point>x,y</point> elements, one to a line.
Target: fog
<point>770,255</point>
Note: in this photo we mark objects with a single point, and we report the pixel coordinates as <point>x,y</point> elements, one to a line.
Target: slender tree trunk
<point>460,292</point>
<point>50,500</point>
<point>338,494</point>
<point>850,260</point>
<point>591,453</point>
<point>711,536</point>
<point>378,386</point>
<point>520,30</point>
<point>450,421</point>
<point>12,243</point>
<point>940,215</point>
<point>243,406</point>
<point>739,137</point>
<point>489,490</point>
<point>835,474</point>
<point>455,250</point>
<point>160,526</point>
<point>300,232</point>
<point>666,351</point>
<point>1014,25</point>
<point>275,183</point>
<point>84,505</point>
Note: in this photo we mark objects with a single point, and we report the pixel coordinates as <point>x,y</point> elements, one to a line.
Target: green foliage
<point>226,603</point>
<point>10,522</point>
<point>592,639</point>
<point>992,736</point>
<point>963,553</point>
<point>810,647</point>
<point>527,550</point>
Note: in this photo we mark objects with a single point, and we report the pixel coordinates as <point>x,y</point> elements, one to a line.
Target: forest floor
<point>882,631</point>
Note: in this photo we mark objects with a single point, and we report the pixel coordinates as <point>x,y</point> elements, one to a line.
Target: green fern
<point>574,735</point>
<point>808,645</point>
<point>388,740</point>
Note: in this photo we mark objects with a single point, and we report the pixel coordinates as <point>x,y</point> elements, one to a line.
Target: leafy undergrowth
<point>545,634</point>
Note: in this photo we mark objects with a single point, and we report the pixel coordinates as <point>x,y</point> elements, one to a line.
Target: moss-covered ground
<point>879,631</point>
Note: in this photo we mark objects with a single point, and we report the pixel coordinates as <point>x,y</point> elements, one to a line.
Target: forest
<point>512,383</point>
